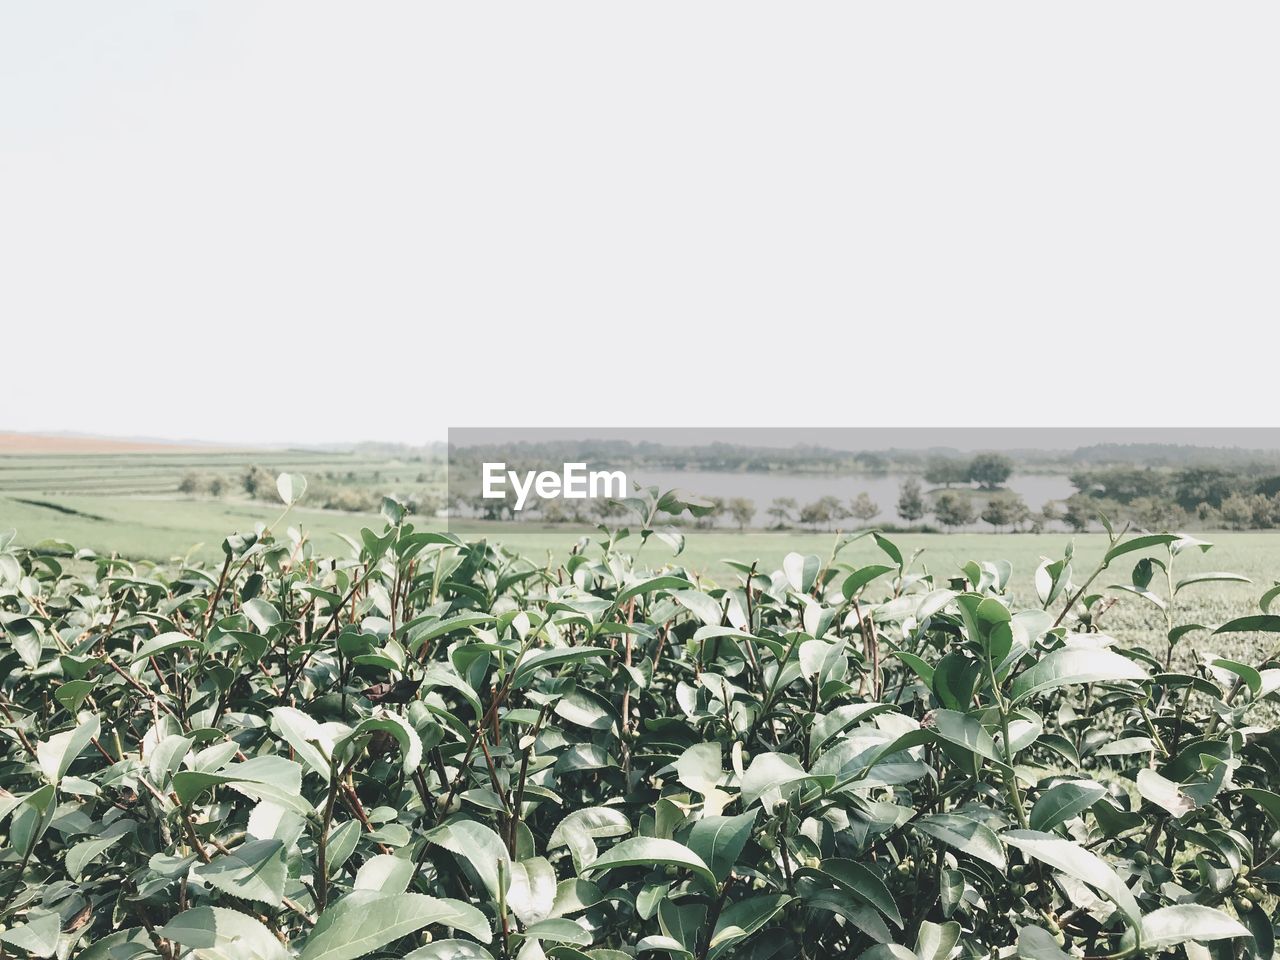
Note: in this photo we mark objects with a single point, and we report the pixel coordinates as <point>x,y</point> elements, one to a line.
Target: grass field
<point>128,504</point>
<point>128,501</point>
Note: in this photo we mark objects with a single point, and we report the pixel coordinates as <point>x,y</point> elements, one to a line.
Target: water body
<point>762,488</point>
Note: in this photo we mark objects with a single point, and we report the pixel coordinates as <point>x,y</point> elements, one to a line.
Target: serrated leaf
<point>1069,666</point>
<point>964,834</point>
<point>647,851</point>
<point>364,921</point>
<point>255,870</point>
<point>1188,921</point>
<point>1075,861</point>
<point>216,933</point>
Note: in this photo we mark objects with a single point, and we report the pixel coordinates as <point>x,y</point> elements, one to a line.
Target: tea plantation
<point>421,747</point>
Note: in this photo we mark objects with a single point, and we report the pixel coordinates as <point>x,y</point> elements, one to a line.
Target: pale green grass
<point>160,529</point>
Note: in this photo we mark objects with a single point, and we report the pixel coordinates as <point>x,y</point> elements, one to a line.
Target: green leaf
<point>648,851</point>
<point>699,767</point>
<point>450,950</point>
<point>291,487</point>
<point>1247,674</point>
<point>888,951</point>
<point>164,642</point>
<point>801,571</point>
<point>1212,577</point>
<point>216,933</point>
<point>768,774</point>
<point>683,924</point>
<point>540,661</point>
<point>719,841</point>
<point>1069,666</point>
<point>37,937</point>
<point>56,754</point>
<point>384,873</point>
<point>342,843</point>
<point>744,918</point>
<point>1035,943</point>
<point>532,890</point>
<point>418,635</point>
<point>889,548</point>
<point>86,851</point>
<point>558,930</point>
<point>935,941</point>
<point>1188,921</point>
<point>73,694</point>
<point>1268,801</point>
<point>263,615</point>
<point>844,904</point>
<point>476,844</point>
<point>863,576</point>
<point>700,605</point>
<point>1075,861</point>
<point>364,921</point>
<point>1258,623</point>
<point>255,870</point>
<point>580,829</point>
<point>1063,801</point>
<point>1164,792</point>
<point>859,880</point>
<point>964,731</point>
<point>309,741</point>
<point>1139,543</point>
<point>649,586</point>
<point>955,679</point>
<point>166,759</point>
<point>405,735</point>
<point>31,818</point>
<point>966,835</point>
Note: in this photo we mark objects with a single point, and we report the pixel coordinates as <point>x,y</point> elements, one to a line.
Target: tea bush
<point>439,750</point>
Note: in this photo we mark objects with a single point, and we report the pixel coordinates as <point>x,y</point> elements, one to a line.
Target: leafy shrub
<point>438,749</point>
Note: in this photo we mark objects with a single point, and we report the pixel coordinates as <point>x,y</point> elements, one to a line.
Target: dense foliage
<point>438,749</point>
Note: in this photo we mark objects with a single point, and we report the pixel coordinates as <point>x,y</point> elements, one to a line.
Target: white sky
<point>318,221</point>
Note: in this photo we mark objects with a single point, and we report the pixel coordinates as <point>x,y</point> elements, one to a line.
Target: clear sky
<point>311,221</point>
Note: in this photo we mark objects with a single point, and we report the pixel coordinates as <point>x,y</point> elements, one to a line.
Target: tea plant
<point>440,750</point>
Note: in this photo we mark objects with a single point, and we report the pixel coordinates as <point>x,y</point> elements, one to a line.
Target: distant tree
<point>605,508</point>
<point>953,509</point>
<point>1237,511</point>
<point>217,486</point>
<point>1266,511</point>
<point>864,508</point>
<point>742,510</point>
<point>1197,485</point>
<point>911,505</point>
<point>1156,513</point>
<point>872,462</point>
<point>258,482</point>
<point>1079,511</point>
<point>1052,510</point>
<point>1005,509</point>
<point>190,483</point>
<point>708,518</point>
<point>823,511</point>
<point>1122,484</point>
<point>989,470</point>
<point>782,509</point>
<point>946,471</point>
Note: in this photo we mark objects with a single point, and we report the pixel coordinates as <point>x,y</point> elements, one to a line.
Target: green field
<point>129,505</point>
